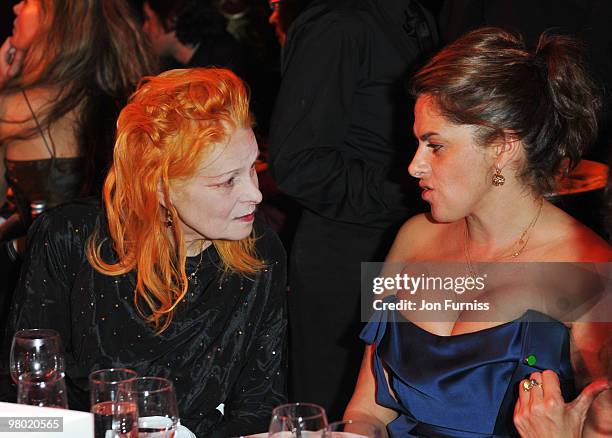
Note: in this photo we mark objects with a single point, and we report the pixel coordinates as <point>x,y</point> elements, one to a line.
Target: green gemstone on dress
<point>531,360</point>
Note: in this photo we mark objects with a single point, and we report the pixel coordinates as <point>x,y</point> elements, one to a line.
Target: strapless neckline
<point>462,385</point>
<point>524,316</point>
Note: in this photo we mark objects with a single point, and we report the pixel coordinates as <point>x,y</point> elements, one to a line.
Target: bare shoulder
<point>38,97</point>
<point>14,114</point>
<point>417,236</point>
<point>14,109</point>
<point>591,247</point>
<point>11,105</point>
<point>418,230</point>
<point>571,241</point>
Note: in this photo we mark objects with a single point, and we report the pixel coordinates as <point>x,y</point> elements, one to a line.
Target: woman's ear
<point>508,150</point>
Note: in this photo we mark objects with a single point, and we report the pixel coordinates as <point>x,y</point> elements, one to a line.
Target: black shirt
<point>223,52</point>
<point>341,136</point>
<point>340,143</point>
<point>225,344</point>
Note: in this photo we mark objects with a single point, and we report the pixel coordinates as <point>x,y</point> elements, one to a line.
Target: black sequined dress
<point>226,343</point>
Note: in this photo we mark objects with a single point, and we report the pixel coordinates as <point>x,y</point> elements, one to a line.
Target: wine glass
<point>36,351</point>
<point>352,429</point>
<point>157,408</point>
<point>42,389</point>
<point>115,415</point>
<point>297,420</point>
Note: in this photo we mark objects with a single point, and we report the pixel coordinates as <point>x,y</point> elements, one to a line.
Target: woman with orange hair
<point>173,277</point>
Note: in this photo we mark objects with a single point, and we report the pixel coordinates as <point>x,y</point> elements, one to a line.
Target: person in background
<point>172,277</point>
<point>495,123</point>
<point>340,121</point>
<point>65,72</point>
<point>282,14</point>
<point>193,34</point>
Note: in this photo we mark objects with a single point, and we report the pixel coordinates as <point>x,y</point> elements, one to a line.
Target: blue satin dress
<point>464,385</point>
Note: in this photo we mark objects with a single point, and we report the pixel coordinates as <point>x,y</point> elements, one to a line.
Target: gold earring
<point>168,218</point>
<point>498,179</point>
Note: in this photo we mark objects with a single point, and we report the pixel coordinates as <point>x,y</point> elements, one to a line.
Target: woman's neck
<point>499,230</point>
<point>196,246</point>
<point>184,53</point>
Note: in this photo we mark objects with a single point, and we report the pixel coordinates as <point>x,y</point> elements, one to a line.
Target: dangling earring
<point>498,179</point>
<point>168,218</point>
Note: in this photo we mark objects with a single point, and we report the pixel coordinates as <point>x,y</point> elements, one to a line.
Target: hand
<point>11,61</point>
<point>541,412</point>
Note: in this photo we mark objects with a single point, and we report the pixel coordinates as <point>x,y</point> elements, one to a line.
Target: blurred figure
<point>65,72</point>
<point>193,34</point>
<point>283,13</point>
<point>340,125</point>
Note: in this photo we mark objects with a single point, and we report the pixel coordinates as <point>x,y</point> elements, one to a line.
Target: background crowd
<point>333,123</point>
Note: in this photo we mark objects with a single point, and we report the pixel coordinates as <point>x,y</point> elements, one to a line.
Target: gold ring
<point>528,384</point>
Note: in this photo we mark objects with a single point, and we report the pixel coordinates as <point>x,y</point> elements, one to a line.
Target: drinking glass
<point>36,351</point>
<point>114,415</point>
<point>158,415</point>
<point>352,429</point>
<point>42,389</point>
<point>297,420</point>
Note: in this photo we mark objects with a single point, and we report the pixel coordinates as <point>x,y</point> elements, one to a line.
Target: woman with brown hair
<point>65,72</point>
<point>495,124</point>
<point>173,278</point>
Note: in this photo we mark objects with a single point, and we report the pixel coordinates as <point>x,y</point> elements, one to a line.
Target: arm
<point>260,386</point>
<point>3,184</point>
<point>363,406</point>
<point>41,299</point>
<point>7,71</point>
<point>541,412</point>
<point>593,345</point>
<point>310,160</point>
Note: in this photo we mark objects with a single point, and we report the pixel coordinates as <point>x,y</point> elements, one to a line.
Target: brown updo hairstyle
<point>489,78</point>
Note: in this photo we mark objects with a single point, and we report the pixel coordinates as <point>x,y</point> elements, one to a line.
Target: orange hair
<point>164,132</point>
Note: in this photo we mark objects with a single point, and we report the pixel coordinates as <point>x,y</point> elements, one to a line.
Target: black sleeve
<point>309,159</point>
<point>42,297</point>
<point>261,384</point>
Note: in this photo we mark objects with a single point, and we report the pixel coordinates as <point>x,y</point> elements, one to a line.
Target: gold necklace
<point>192,276</point>
<point>520,244</point>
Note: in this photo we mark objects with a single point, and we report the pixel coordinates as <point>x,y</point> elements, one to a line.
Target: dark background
<point>6,18</point>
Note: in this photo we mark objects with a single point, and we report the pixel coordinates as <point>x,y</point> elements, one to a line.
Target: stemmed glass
<point>115,414</point>
<point>158,415</point>
<point>297,420</point>
<point>352,429</point>
<point>42,389</point>
<point>36,351</point>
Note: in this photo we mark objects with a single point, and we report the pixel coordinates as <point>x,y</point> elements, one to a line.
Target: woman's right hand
<point>11,61</point>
